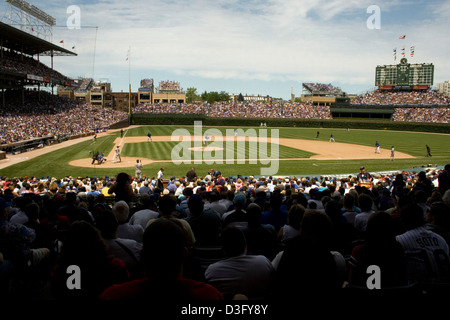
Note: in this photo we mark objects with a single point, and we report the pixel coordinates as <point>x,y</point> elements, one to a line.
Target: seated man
<point>239,273</point>
<point>163,255</point>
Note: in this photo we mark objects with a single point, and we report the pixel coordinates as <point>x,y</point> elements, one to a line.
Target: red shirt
<point>185,289</point>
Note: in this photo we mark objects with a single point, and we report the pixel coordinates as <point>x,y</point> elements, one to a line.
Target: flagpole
<point>129,81</point>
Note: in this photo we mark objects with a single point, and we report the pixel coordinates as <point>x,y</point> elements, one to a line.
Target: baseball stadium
<point>61,136</point>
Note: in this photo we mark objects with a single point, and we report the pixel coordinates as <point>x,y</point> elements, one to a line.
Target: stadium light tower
<point>29,18</point>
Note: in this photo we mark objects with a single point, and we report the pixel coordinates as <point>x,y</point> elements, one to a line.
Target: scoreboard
<point>404,74</point>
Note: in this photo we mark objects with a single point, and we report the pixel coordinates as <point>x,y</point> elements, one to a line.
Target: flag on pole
<point>402,37</point>
<point>32,29</point>
<point>73,47</point>
<point>412,51</point>
<point>128,54</point>
<point>62,41</point>
<point>403,51</point>
<point>395,54</point>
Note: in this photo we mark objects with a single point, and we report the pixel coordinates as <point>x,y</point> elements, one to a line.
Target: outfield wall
<point>188,119</point>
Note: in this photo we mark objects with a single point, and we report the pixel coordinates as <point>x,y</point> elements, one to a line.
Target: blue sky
<point>250,47</point>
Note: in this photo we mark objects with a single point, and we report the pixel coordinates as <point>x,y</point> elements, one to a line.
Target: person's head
<point>333,210</point>
<point>439,215</point>
<point>295,216</point>
<point>164,249</point>
<point>349,201</point>
<point>253,214</point>
<point>32,210</point>
<point>107,224</point>
<point>83,244</point>
<point>233,241</point>
<point>276,200</point>
<point>316,225</point>
<point>195,204</point>
<point>123,178</point>
<point>412,216</point>
<point>380,228</point>
<point>214,196</point>
<point>121,211</point>
<point>167,204</point>
<point>365,202</point>
<point>240,200</point>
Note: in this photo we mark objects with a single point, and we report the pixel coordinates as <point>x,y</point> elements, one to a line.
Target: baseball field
<point>233,151</point>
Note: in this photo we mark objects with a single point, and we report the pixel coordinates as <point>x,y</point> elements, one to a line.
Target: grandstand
<point>32,116</point>
<point>18,65</point>
<point>321,89</point>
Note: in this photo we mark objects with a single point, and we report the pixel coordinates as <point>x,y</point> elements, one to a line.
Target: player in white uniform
<point>392,153</point>
<point>138,169</point>
<point>117,155</point>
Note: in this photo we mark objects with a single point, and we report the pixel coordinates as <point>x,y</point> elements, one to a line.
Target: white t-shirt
<point>245,274</point>
<point>142,217</point>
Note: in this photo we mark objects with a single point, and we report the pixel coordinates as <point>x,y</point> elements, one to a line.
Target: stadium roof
<point>24,42</point>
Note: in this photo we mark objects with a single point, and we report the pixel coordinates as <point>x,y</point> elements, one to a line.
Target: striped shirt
<point>427,253</point>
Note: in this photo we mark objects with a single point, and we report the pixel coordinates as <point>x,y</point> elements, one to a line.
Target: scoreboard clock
<point>404,74</point>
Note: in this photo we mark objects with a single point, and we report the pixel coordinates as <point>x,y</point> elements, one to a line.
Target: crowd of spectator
<point>18,63</point>
<point>415,114</point>
<point>382,97</point>
<point>244,110</point>
<point>43,114</point>
<point>213,237</point>
<point>322,88</point>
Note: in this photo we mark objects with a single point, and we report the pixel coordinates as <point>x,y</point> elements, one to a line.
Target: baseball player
<point>331,138</point>
<point>117,155</point>
<point>138,169</point>
<point>377,147</point>
<point>392,153</point>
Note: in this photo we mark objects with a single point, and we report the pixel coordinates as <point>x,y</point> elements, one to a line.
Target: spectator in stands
<point>292,228</point>
<point>276,216</point>
<point>167,208</point>
<point>206,224</point>
<point>261,238</point>
<point>147,212</point>
<point>307,267</point>
<point>237,216</point>
<point>126,230</point>
<point>349,210</point>
<point>164,250</point>
<point>122,189</point>
<point>427,252</point>
<point>239,273</point>
<point>438,220</point>
<point>361,219</point>
<point>381,249</point>
<point>343,232</point>
<point>84,247</point>
<point>444,179</point>
<point>127,250</point>
<point>73,211</point>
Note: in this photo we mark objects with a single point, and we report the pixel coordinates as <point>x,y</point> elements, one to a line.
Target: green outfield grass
<point>56,163</point>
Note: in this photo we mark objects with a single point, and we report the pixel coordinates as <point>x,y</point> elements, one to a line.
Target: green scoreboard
<point>404,74</point>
